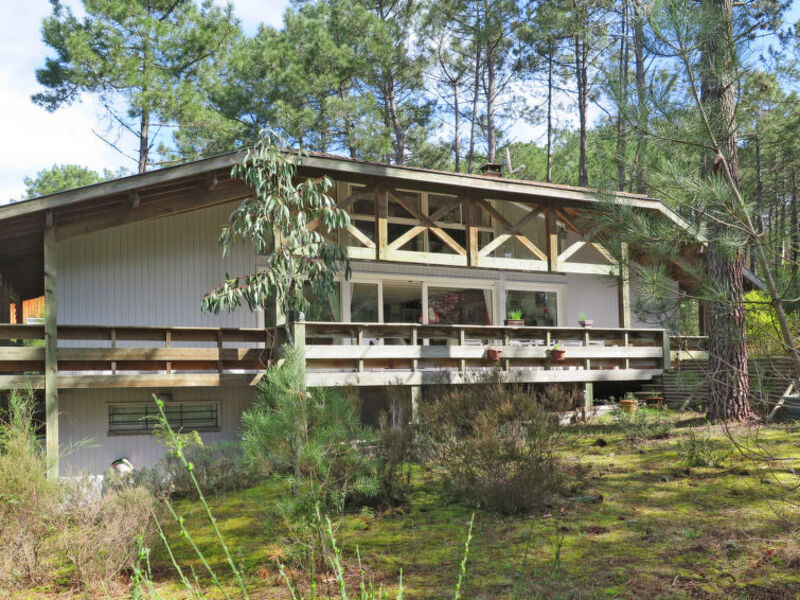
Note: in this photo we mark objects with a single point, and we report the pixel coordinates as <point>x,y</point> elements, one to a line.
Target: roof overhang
<point>207,182</point>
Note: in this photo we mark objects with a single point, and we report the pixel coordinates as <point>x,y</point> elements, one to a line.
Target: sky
<point>35,139</point>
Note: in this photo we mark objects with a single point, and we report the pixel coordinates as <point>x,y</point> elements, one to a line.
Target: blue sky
<point>35,139</point>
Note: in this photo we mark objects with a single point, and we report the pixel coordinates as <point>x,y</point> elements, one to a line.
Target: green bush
<point>699,450</point>
<point>310,437</point>
<point>643,424</point>
<point>494,445</point>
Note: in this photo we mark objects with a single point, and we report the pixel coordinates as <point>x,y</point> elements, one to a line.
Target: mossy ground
<point>641,525</point>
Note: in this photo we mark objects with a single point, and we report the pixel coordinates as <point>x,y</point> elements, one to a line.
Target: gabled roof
<point>207,182</point>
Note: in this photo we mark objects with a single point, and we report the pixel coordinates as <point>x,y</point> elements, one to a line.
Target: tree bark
<point>549,176</point>
<point>583,100</point>
<point>475,96</point>
<point>491,83</point>
<point>642,116</point>
<point>456,127</point>
<point>622,140</point>
<point>727,364</point>
<point>144,140</point>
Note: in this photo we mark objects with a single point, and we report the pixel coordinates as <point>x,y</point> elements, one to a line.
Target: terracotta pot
<point>557,354</point>
<point>515,321</point>
<point>494,354</point>
<point>586,323</point>
<point>629,405</point>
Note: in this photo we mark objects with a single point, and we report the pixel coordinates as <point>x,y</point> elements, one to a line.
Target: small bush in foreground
<point>697,450</point>
<point>644,424</point>
<point>495,445</point>
<point>29,502</point>
<point>100,533</point>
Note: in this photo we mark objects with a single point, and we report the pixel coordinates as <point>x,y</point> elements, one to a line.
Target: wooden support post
<point>462,341</point>
<point>587,362</point>
<point>219,352</point>
<point>416,398</point>
<point>381,224</point>
<point>506,343</point>
<point>473,245</point>
<point>704,317</point>
<point>168,344</point>
<point>114,345</point>
<point>588,395</point>
<point>360,342</point>
<point>626,340</point>
<point>51,347</point>
<point>414,343</point>
<point>552,239</point>
<point>624,289</point>
<point>299,335</point>
<point>667,358</point>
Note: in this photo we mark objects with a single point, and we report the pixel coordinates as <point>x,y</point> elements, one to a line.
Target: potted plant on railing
<point>583,321</point>
<point>557,353</point>
<point>515,317</point>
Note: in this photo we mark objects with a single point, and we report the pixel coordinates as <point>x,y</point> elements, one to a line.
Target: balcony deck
<point>337,354</point>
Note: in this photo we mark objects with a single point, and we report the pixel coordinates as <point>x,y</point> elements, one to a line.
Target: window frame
<point>149,425</point>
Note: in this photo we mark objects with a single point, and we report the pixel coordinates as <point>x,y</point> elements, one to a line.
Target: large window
<point>459,306</point>
<point>364,303</point>
<point>538,307</point>
<point>142,417</point>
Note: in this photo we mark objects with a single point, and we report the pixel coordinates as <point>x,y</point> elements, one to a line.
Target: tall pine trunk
<point>475,96</point>
<point>491,84</point>
<point>549,176</point>
<point>457,128</point>
<point>583,101</point>
<point>144,140</point>
<point>642,117</point>
<point>727,364</point>
<point>622,140</point>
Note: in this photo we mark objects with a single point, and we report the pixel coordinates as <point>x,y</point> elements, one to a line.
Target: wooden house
<point>438,261</point>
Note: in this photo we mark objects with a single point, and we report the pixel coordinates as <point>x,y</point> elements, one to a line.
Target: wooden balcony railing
<point>337,354</point>
<point>365,354</point>
<point>688,347</point>
<point>97,356</point>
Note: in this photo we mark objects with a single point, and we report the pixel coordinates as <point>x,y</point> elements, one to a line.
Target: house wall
<point>84,422</point>
<point>150,273</point>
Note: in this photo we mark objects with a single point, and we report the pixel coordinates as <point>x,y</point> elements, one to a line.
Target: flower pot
<point>586,323</point>
<point>494,354</point>
<point>557,354</point>
<point>515,321</point>
<point>629,405</point>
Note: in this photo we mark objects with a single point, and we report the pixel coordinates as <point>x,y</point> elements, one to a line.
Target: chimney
<point>491,170</point>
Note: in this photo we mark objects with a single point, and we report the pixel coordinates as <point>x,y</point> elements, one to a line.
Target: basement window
<point>143,417</point>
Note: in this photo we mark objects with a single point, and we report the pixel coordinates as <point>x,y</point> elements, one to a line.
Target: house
<point>438,260</point>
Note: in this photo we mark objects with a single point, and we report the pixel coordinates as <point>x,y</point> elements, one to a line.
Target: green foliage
<point>763,329</point>
<point>494,445</point>
<point>699,450</point>
<point>274,222</point>
<point>643,424</point>
<point>59,178</point>
<point>309,436</point>
<point>515,314</point>
<point>147,55</point>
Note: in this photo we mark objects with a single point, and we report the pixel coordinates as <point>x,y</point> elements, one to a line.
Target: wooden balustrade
<point>364,354</point>
<point>688,347</point>
<point>97,356</point>
<point>337,354</point>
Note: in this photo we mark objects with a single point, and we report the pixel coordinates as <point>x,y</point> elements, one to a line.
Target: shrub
<point>309,437</point>
<point>100,532</point>
<point>29,502</point>
<point>643,424</point>
<point>394,453</point>
<point>218,467</point>
<point>699,451</point>
<point>494,445</point>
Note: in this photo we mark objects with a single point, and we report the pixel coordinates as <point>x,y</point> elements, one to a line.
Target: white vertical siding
<point>84,418</point>
<point>595,295</point>
<point>150,273</point>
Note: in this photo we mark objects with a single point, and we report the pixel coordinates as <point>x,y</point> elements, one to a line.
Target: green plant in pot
<point>515,317</point>
<point>583,321</point>
<point>557,353</point>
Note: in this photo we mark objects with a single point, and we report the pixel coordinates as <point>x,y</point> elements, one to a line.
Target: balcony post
<point>416,398</point>
<point>624,289</point>
<point>51,347</point>
<point>552,239</point>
